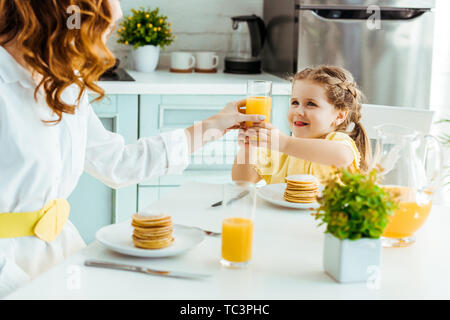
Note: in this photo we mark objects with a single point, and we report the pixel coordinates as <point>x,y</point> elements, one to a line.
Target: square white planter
<point>351,260</point>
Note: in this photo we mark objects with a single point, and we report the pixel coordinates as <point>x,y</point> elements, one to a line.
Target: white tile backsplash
<point>200,25</point>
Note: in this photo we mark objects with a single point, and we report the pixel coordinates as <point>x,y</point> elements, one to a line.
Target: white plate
<point>274,193</point>
<point>117,237</point>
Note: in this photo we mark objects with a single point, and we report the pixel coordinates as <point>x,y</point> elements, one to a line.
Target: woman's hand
<point>232,116</point>
<point>262,135</point>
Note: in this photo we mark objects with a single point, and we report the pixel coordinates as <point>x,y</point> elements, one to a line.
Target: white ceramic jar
<point>146,58</point>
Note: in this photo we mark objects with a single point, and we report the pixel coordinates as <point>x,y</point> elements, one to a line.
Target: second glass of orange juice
<point>259,99</point>
<point>239,205</point>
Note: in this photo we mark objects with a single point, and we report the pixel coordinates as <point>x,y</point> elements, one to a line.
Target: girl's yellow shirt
<point>274,166</point>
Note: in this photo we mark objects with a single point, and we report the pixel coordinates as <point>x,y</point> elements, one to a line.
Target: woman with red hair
<point>49,133</point>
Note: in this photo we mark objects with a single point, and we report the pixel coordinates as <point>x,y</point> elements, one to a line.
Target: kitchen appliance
<point>247,41</point>
<point>387,47</point>
<point>116,74</point>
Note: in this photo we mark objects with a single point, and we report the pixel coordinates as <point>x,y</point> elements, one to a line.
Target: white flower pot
<point>352,260</point>
<point>146,58</point>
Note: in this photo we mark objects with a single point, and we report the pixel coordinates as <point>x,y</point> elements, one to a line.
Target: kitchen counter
<point>287,262</point>
<point>165,82</point>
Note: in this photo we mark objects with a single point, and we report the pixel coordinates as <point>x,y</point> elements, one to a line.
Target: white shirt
<point>40,162</point>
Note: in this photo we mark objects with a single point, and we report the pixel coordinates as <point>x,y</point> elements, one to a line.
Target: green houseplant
<point>355,210</point>
<point>147,31</point>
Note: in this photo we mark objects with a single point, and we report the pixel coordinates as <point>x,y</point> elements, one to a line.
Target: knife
<point>127,267</point>
<point>239,196</point>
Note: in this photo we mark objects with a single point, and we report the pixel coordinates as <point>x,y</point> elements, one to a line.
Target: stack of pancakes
<point>301,188</point>
<point>152,231</point>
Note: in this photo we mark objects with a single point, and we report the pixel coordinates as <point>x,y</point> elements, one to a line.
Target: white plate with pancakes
<point>118,237</point>
<point>275,193</point>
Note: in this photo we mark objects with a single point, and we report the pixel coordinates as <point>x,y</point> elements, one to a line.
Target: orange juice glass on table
<point>259,99</point>
<point>239,205</point>
<point>237,238</point>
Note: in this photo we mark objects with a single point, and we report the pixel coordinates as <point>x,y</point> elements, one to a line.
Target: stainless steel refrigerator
<point>386,45</point>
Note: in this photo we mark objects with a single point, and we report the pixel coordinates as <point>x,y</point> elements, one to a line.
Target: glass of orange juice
<point>239,205</point>
<point>259,99</point>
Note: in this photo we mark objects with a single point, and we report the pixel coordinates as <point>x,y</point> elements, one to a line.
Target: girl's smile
<point>300,123</point>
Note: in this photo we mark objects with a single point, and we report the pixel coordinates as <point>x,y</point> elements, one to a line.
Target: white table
<point>287,262</point>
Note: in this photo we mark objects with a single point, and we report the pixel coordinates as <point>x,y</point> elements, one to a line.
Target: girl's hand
<point>243,138</point>
<point>232,116</point>
<point>262,135</point>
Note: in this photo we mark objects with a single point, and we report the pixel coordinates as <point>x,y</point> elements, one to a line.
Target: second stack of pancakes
<point>301,188</point>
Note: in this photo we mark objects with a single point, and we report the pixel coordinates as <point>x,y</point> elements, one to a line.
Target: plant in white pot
<point>147,31</point>
<point>355,210</point>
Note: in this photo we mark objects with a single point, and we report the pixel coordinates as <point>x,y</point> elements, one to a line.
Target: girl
<point>49,133</point>
<point>324,118</point>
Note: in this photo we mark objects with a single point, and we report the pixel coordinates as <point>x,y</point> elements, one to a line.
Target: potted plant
<point>147,31</point>
<point>355,210</point>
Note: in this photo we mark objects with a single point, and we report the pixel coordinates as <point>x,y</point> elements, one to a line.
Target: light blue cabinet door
<point>280,108</point>
<point>93,204</point>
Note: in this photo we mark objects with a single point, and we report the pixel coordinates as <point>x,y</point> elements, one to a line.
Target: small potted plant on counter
<point>147,31</point>
<point>355,210</point>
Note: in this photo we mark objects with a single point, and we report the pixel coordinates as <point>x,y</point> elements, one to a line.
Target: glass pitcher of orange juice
<point>239,202</point>
<point>411,167</point>
<point>259,99</point>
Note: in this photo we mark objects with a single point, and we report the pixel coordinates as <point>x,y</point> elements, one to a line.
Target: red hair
<point>49,47</point>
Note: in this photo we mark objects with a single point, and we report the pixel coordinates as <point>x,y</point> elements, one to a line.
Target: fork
<point>207,232</point>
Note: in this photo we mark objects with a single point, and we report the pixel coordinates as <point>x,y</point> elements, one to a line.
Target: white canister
<point>146,58</point>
